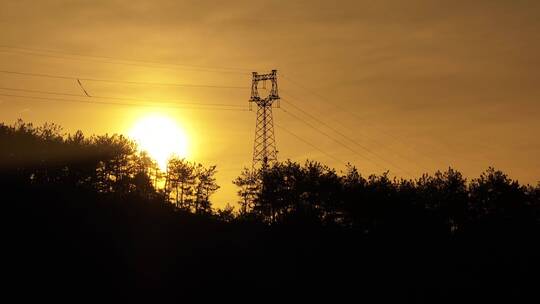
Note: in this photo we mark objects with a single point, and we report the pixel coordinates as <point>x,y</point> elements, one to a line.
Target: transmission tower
<point>264,148</point>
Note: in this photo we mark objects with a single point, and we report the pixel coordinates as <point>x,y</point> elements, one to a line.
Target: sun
<point>161,137</point>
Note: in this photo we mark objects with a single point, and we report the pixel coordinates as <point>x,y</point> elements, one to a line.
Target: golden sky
<point>413,86</point>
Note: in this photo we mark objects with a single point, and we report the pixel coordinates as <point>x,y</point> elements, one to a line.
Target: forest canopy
<point>287,192</point>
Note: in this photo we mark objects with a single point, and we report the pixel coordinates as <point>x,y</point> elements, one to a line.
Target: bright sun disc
<point>161,137</point>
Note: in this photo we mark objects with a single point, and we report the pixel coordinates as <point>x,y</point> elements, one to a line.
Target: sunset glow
<point>381,151</point>
<point>160,136</point>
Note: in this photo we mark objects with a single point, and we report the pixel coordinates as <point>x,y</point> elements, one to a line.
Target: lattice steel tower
<point>264,148</point>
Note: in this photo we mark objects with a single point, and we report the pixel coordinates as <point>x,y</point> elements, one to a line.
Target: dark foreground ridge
<point>82,220</point>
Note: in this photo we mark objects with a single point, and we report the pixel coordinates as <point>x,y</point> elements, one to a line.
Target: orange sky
<point>416,85</point>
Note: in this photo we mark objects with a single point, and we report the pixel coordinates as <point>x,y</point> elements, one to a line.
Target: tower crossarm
<point>272,96</point>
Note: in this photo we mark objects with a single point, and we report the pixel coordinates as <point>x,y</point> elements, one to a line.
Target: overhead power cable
<point>348,138</point>
<point>354,115</point>
<point>45,99</point>
<point>408,159</point>
<point>309,143</point>
<point>332,138</point>
<point>169,101</point>
<point>152,66</point>
<point>116,60</point>
<point>124,81</point>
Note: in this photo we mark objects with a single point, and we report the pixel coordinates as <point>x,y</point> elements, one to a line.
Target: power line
<point>354,115</point>
<point>332,138</point>
<point>120,63</point>
<point>122,104</point>
<point>345,136</point>
<point>309,143</point>
<point>133,62</point>
<point>123,81</point>
<point>119,98</point>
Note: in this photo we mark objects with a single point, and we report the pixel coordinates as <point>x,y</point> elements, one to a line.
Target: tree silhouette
<point>226,214</point>
<point>81,211</point>
<point>445,195</point>
<point>249,184</point>
<point>191,185</point>
<point>499,201</point>
<point>180,178</point>
<point>205,186</point>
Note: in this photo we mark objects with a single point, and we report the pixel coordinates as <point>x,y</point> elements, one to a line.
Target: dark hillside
<point>81,221</point>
